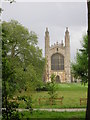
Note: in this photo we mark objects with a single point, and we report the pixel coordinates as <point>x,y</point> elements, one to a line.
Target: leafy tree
<point>80,67</point>
<point>21,61</point>
<point>10,113</point>
<point>52,88</point>
<point>8,88</point>
<point>23,54</point>
<point>7,81</point>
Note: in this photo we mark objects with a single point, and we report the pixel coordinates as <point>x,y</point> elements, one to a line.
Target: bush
<point>42,88</point>
<point>10,113</point>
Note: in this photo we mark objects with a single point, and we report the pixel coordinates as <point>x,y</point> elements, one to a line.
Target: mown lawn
<point>44,115</point>
<point>71,96</point>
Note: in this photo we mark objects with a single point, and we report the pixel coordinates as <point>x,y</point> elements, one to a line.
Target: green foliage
<point>52,88</point>
<point>28,102</point>
<point>80,67</point>
<point>8,87</point>
<point>22,61</point>
<point>10,113</point>
<point>45,115</point>
<point>24,56</point>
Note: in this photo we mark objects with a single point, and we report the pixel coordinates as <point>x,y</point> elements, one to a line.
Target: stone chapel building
<point>57,59</point>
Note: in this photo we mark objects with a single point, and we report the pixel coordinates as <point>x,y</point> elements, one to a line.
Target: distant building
<point>58,59</point>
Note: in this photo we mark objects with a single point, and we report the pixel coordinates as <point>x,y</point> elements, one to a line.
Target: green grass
<point>56,115</point>
<point>71,93</point>
<point>71,87</point>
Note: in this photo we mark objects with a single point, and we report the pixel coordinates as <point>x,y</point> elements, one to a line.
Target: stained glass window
<point>57,62</point>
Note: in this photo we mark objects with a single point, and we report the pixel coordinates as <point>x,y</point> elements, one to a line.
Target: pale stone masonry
<point>57,59</point>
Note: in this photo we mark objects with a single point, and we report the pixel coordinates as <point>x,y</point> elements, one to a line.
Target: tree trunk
<point>88,95</point>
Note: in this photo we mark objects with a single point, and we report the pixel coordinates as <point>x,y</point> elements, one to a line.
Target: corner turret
<point>67,38</point>
<point>47,38</point>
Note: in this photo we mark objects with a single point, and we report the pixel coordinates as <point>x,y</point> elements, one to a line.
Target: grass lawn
<point>71,96</point>
<point>53,115</point>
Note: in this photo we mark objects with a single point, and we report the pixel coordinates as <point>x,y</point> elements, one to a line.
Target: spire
<point>46,32</point>
<point>46,41</point>
<point>67,37</point>
<point>67,30</point>
<point>47,29</point>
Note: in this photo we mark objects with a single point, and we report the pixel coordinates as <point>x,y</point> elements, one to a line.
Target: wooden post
<point>39,101</point>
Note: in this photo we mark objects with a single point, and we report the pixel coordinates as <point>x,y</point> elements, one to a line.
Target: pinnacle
<point>46,28</point>
<point>66,28</point>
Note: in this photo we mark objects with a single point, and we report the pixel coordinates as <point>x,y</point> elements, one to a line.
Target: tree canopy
<point>21,57</point>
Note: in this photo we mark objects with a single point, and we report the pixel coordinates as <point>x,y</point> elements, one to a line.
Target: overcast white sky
<point>54,15</point>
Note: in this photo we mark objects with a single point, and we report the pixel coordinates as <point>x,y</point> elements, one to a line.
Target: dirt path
<point>56,110</point>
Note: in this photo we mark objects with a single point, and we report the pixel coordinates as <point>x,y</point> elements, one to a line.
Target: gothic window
<point>57,62</point>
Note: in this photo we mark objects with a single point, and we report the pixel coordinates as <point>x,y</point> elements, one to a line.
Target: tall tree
<point>80,69</point>
<point>23,54</point>
<point>80,66</point>
<point>22,61</point>
<point>52,88</point>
